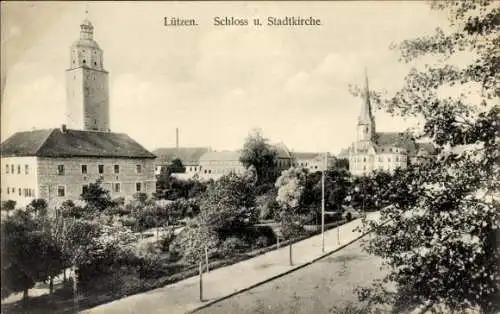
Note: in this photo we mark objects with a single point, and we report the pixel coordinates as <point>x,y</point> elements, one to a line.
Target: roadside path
<point>183,296</point>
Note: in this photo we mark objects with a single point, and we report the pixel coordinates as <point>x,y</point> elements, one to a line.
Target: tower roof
<point>366,116</point>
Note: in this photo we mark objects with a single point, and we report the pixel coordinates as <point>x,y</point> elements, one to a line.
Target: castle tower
<point>87,92</point>
<point>366,121</point>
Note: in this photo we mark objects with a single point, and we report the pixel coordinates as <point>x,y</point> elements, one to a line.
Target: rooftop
<point>72,143</point>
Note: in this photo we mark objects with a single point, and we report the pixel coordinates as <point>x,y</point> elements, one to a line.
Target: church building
<point>58,164</point>
<point>383,151</point>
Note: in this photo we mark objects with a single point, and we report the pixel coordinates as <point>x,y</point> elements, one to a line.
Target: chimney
<point>177,140</point>
<point>63,128</point>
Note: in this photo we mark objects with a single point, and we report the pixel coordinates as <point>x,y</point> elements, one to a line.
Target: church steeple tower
<point>87,83</point>
<point>366,121</point>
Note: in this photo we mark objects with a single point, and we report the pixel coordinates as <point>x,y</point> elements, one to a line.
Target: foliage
<point>442,240</point>
<point>190,243</point>
<point>28,253</point>
<point>171,188</point>
<point>266,205</point>
<point>227,203</point>
<point>96,197</point>
<point>231,246</point>
<point>258,153</point>
<point>291,186</point>
<point>8,205</point>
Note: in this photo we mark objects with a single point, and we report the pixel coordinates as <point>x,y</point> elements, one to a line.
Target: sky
<point>214,83</point>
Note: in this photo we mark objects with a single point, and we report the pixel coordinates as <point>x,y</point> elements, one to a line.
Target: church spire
<point>365,116</point>
<point>366,122</point>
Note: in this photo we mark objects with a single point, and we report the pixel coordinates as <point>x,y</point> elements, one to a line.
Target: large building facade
<point>58,164</point>
<point>383,151</point>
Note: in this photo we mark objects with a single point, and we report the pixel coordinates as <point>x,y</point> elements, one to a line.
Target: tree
<point>441,238</point>
<point>176,166</point>
<point>28,254</point>
<point>96,197</point>
<point>8,205</point>
<point>262,156</point>
<point>228,201</point>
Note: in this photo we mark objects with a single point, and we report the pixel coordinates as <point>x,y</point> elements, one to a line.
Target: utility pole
<point>323,206</point>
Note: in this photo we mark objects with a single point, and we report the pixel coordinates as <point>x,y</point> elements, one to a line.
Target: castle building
<point>383,151</point>
<point>58,164</point>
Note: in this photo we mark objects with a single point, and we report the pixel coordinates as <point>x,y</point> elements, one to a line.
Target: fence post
<point>201,281</point>
<point>206,258</point>
<point>290,254</point>
<point>75,289</point>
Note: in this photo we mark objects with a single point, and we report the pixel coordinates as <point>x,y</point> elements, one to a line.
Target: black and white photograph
<point>269,157</point>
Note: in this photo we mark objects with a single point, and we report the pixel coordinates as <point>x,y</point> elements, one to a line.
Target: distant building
<point>58,164</point>
<point>215,164</point>
<point>312,161</point>
<point>381,150</point>
<point>189,156</point>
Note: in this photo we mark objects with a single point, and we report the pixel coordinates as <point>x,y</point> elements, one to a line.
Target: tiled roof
<point>188,155</point>
<point>282,150</point>
<point>73,143</point>
<point>221,156</point>
<point>396,139</point>
<point>304,155</point>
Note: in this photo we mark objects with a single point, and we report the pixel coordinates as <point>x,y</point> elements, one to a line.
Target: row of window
<point>116,188</point>
<point>12,169</point>
<point>100,169</point>
<point>20,191</point>
<point>380,159</point>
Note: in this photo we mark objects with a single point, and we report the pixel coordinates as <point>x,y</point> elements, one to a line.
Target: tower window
<point>95,63</point>
<point>84,61</point>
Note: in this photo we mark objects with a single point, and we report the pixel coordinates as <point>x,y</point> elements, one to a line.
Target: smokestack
<point>177,140</point>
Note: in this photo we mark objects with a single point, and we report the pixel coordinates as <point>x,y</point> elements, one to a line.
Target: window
<point>61,191</point>
<point>85,188</point>
<point>6,168</point>
<point>33,192</point>
<point>117,168</point>
<point>100,168</point>
<point>19,191</point>
<point>388,159</point>
<point>138,187</point>
<point>12,169</point>
<point>26,169</point>
<point>18,169</point>
<point>8,190</point>
<point>60,170</point>
<point>397,159</point>
<point>116,187</point>
<point>84,169</point>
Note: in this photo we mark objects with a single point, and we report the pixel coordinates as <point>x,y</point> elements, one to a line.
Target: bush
<point>232,246</point>
<point>262,241</point>
<point>190,243</point>
<point>291,230</point>
<point>8,205</point>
